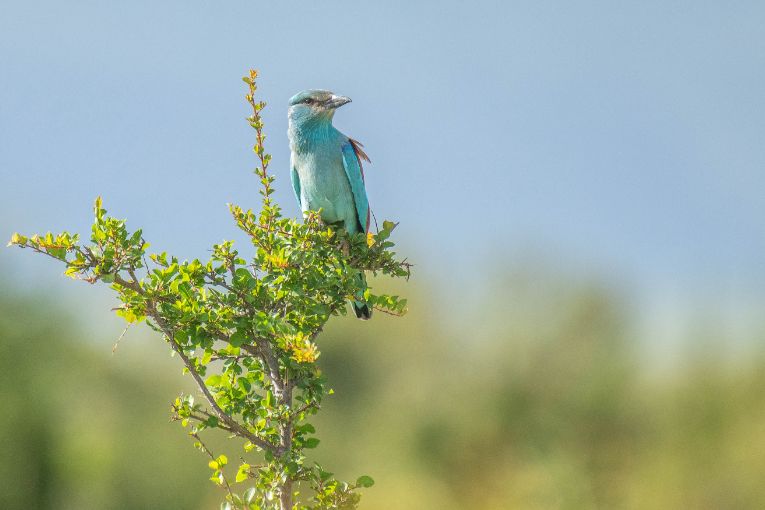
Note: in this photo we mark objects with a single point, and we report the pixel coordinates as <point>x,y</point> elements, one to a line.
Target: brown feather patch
<point>357,148</point>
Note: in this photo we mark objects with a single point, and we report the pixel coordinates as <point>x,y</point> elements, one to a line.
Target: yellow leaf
<point>243,473</point>
<point>16,238</point>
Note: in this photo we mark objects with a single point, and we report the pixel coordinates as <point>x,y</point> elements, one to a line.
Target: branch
<point>232,424</point>
<point>262,349</point>
<point>305,407</point>
<point>133,285</point>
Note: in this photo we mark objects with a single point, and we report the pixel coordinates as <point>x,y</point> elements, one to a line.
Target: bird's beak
<point>337,101</point>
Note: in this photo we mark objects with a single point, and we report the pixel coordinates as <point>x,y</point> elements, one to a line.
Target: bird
<point>326,170</point>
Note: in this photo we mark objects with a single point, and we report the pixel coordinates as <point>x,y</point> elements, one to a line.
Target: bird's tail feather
<point>362,310</point>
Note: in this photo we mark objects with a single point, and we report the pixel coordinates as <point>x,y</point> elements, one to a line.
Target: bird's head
<point>315,105</point>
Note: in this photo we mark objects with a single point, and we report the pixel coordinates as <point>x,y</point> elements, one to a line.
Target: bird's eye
<point>308,100</point>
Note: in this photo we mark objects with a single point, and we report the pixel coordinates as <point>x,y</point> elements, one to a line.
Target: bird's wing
<point>352,156</point>
<point>296,185</point>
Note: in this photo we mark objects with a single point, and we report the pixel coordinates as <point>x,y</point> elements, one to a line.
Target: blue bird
<point>326,169</point>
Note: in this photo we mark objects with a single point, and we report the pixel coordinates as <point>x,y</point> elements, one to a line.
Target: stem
<point>285,495</point>
<point>285,442</point>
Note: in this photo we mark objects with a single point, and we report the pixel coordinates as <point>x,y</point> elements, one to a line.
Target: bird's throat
<point>306,133</point>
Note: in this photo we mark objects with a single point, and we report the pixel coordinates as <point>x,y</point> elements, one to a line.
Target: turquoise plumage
<point>326,168</point>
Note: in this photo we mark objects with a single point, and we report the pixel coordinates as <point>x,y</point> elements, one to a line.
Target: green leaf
<point>311,442</point>
<point>243,278</point>
<point>307,428</point>
<point>365,481</point>
<point>214,380</point>
<point>324,475</point>
<point>245,384</point>
<point>237,339</point>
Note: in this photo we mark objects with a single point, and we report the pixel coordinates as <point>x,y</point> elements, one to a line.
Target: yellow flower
<point>278,260</point>
<point>306,354</point>
<point>303,350</point>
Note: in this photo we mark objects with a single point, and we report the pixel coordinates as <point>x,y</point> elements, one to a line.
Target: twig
<point>117,343</point>
<point>210,454</point>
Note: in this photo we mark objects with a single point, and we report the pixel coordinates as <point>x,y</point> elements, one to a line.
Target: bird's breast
<point>323,183</point>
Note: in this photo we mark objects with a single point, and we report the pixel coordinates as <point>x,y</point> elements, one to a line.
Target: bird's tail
<point>360,307</point>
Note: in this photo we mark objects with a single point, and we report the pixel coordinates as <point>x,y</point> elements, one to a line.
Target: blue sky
<point>624,140</point>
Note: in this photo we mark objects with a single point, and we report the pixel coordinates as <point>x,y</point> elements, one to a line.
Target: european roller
<point>326,168</point>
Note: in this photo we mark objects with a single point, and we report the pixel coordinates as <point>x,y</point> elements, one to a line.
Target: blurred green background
<point>537,395</point>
